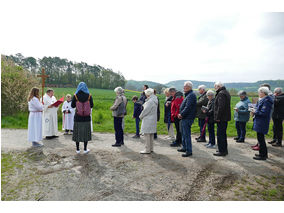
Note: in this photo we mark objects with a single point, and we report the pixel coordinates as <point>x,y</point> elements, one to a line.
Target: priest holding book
<point>49,121</point>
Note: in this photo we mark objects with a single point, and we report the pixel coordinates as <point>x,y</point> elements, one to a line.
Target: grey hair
<point>149,92</point>
<point>264,90</point>
<point>210,93</point>
<point>278,90</point>
<point>188,83</point>
<point>172,89</point>
<point>119,90</point>
<point>218,83</point>
<point>242,93</point>
<point>202,87</point>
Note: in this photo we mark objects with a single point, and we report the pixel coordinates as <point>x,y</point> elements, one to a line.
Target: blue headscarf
<point>82,87</point>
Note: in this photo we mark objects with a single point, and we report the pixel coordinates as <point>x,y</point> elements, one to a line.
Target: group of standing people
<point>180,109</point>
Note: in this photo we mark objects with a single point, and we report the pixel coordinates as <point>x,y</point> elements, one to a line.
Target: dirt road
<point>56,172</point>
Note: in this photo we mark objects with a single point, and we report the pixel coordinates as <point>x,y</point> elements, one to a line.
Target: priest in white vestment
<point>49,121</point>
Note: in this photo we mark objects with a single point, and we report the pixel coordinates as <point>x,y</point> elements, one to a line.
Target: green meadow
<point>102,118</point>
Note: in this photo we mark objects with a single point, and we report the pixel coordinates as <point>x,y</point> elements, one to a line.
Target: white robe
<point>91,121</point>
<point>35,120</point>
<point>49,121</point>
<point>68,118</point>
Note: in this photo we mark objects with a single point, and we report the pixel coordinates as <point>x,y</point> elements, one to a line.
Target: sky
<point>157,40</point>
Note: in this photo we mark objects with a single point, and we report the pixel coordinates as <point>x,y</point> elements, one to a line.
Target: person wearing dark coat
<point>187,114</point>
<point>167,115</point>
<point>278,116</point>
<point>82,124</point>
<point>136,113</point>
<point>262,116</point>
<point>222,114</point>
<point>202,101</point>
<point>143,97</point>
<point>209,112</point>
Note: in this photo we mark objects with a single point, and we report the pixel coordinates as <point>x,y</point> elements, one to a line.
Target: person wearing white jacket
<point>35,118</point>
<point>149,120</point>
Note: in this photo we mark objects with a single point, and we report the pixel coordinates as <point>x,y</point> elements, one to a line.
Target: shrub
<point>15,86</point>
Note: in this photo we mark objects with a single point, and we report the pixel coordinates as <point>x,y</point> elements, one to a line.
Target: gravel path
<point>106,173</point>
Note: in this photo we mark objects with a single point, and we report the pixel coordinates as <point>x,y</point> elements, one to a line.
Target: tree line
<point>65,73</point>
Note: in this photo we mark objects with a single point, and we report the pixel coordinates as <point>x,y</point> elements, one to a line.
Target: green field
<point>103,121</point>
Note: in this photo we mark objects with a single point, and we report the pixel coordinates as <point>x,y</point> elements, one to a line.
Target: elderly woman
<point>149,119</point>
<point>261,121</point>
<point>209,112</point>
<point>118,113</point>
<point>241,116</point>
<point>167,115</point>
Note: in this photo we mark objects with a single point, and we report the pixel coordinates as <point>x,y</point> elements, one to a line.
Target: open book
<point>57,103</point>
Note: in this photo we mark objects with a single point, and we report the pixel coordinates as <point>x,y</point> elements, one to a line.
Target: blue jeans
<point>186,134</point>
<point>211,133</point>
<point>201,123</point>
<point>137,120</point>
<point>118,130</point>
<point>241,129</point>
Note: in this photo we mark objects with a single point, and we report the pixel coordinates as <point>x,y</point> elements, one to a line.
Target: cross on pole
<point>43,77</point>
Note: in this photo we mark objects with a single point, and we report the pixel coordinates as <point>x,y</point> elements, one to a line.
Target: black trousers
<point>222,136</point>
<point>118,130</point>
<point>262,145</point>
<point>178,129</point>
<point>278,130</point>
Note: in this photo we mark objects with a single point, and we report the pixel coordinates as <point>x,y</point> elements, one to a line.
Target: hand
<point>203,111</point>
<point>50,106</point>
<point>251,114</point>
<point>179,116</point>
<point>236,109</point>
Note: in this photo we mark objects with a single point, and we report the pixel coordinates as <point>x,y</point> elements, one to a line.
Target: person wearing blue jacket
<point>187,115</point>
<point>262,116</point>
<point>241,116</point>
<point>136,113</point>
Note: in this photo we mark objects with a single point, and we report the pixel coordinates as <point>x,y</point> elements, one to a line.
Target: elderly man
<point>278,116</point>
<point>222,114</point>
<point>187,115</point>
<point>201,101</point>
<point>176,102</point>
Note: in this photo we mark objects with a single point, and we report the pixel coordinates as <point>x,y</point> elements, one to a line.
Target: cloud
<point>273,25</point>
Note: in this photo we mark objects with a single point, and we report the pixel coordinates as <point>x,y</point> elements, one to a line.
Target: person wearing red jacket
<point>176,102</point>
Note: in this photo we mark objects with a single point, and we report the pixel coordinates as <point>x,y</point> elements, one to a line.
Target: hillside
<point>138,85</point>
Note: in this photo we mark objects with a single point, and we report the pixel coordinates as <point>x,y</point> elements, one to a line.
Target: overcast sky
<point>151,40</point>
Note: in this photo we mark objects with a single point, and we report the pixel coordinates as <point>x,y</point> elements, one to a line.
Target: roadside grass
<point>103,121</point>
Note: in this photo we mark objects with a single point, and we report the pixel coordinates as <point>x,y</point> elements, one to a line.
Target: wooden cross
<point>43,77</point>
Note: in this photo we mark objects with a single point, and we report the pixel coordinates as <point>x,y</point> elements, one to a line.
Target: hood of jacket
<point>153,98</point>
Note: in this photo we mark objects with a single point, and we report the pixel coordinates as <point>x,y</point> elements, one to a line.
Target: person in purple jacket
<point>137,111</point>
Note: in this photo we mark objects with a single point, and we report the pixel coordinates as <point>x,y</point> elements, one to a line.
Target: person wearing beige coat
<point>149,120</point>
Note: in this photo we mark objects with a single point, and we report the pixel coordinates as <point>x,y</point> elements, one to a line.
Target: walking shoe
<point>197,138</point>
<point>116,145</point>
<point>65,133</point>
<point>174,144</point>
<point>220,154</point>
<point>145,152</point>
<point>136,136</point>
<point>273,141</point>
<point>236,138</point>
<point>207,144</point>
<point>254,145</point>
<point>78,151</point>
<point>277,144</point>
<point>256,148</point>
<point>86,151</point>
<point>210,146</point>
<point>181,150</point>
<point>201,140</point>
<point>36,144</point>
<point>259,158</point>
<point>240,141</point>
<point>187,154</point>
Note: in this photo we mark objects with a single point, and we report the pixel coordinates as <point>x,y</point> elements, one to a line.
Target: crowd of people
<point>180,110</point>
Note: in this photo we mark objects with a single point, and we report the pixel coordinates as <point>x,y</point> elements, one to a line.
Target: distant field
<point>103,121</point>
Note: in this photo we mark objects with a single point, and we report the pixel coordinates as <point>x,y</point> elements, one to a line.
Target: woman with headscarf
<point>83,102</point>
<point>118,112</point>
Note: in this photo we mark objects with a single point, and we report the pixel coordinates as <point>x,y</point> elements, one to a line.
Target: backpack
<point>121,109</point>
<point>83,109</point>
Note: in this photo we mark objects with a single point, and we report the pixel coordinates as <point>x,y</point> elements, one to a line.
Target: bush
<point>15,86</point>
